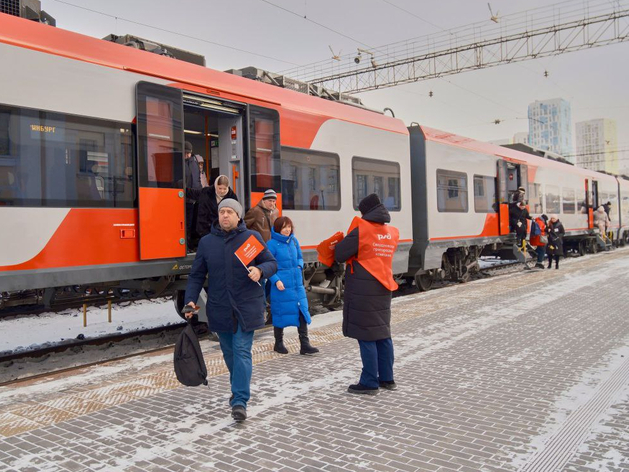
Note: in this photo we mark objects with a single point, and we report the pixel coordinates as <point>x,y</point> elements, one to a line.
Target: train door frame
<point>161,195</point>
<point>273,178</point>
<point>232,118</point>
<point>509,171</point>
<point>502,196</point>
<point>594,204</point>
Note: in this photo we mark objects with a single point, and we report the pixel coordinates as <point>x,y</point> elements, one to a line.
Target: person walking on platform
<point>555,241</point>
<point>235,306</point>
<point>540,240</point>
<point>209,199</point>
<point>368,250</point>
<point>289,304</point>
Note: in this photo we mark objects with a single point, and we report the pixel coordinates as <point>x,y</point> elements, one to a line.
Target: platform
<point>528,371</point>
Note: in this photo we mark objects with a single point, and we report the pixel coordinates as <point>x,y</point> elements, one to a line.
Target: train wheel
<point>582,247</point>
<point>424,281</point>
<point>178,298</point>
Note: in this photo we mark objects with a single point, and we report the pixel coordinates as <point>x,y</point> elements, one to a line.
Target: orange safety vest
<point>376,245</point>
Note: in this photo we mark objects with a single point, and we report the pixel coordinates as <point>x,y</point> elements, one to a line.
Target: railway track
<point>92,300</point>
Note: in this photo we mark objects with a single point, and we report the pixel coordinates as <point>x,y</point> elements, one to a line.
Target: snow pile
<point>27,333</point>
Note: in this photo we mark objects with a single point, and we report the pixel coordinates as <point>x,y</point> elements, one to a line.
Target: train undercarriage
<point>324,285</point>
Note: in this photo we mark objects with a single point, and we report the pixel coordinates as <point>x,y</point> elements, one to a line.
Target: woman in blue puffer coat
<point>289,305</point>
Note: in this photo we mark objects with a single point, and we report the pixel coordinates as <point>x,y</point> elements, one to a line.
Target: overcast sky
<point>594,81</point>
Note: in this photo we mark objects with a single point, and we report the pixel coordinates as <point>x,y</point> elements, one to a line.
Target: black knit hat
<point>368,203</point>
<point>544,217</point>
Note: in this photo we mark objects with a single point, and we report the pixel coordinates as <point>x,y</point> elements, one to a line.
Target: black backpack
<point>189,363</point>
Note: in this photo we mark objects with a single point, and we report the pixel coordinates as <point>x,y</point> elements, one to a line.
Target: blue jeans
<point>541,253</point>
<point>236,349</point>
<point>377,359</point>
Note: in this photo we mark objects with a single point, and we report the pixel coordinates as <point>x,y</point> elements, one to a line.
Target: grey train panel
<point>67,276</point>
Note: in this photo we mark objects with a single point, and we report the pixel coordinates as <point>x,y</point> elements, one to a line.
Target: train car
<point>461,194</point>
<point>92,197</point>
<point>91,183</point>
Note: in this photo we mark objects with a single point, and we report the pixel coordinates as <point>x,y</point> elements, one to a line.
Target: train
<point>92,198</point>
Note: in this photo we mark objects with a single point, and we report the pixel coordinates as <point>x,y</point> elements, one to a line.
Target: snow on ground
<point>49,329</point>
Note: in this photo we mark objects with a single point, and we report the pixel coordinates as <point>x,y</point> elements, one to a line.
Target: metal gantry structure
<point>546,31</point>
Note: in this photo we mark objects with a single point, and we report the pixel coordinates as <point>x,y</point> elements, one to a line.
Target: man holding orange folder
<point>234,259</point>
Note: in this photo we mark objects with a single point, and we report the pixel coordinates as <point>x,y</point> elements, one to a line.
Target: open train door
<point>161,194</point>
<point>502,196</point>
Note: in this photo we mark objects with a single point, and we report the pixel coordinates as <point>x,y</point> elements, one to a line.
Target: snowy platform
<point>528,371</point>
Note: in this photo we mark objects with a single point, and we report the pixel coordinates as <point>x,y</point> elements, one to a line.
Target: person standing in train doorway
<point>235,299</point>
<point>368,250</point>
<point>192,174</point>
<point>555,241</point>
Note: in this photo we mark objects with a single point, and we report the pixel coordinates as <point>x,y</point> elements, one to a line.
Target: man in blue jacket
<point>235,300</point>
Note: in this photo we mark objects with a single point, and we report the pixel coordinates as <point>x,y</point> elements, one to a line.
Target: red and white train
<point>91,191</point>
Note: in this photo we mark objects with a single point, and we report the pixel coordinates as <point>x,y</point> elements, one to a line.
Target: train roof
<point>28,34</point>
<point>445,137</point>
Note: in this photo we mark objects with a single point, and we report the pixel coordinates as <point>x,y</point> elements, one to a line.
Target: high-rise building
<point>597,145</point>
<point>520,138</point>
<point>550,126</point>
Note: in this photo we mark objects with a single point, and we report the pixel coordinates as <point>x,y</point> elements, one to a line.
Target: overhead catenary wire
<point>177,33</point>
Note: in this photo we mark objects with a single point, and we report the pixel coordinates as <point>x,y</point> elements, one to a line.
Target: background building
<point>550,126</point>
<point>520,138</point>
<point>597,145</point>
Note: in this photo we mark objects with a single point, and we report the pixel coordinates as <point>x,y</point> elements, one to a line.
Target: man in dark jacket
<point>517,218</point>
<point>235,302</point>
<point>261,217</point>
<point>368,287</point>
<point>554,249</point>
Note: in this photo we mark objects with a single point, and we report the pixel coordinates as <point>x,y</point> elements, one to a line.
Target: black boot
<point>557,264</point>
<point>279,341</point>
<point>306,347</point>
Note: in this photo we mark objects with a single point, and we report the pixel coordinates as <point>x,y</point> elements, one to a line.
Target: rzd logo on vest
<point>383,236</point>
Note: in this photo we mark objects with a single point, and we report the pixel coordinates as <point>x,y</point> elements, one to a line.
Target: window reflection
<point>379,177</point>
<point>56,160</point>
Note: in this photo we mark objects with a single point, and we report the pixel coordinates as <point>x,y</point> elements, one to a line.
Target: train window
<point>56,160</point>
<point>569,203</point>
<point>451,191</point>
<point>379,177</point>
<point>535,199</point>
<point>310,180</point>
<point>484,194</point>
<point>553,200</point>
<point>264,135</point>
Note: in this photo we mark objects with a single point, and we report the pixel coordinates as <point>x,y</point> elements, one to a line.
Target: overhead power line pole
<point>520,37</point>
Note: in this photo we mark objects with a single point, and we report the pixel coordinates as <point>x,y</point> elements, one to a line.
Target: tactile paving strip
<point>561,445</point>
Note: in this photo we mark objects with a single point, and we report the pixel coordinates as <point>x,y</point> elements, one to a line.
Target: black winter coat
<point>518,215</point>
<point>555,238</point>
<point>208,209</point>
<point>367,304</point>
<point>232,297</point>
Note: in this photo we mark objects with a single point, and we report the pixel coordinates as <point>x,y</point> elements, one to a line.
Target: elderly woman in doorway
<point>209,199</point>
